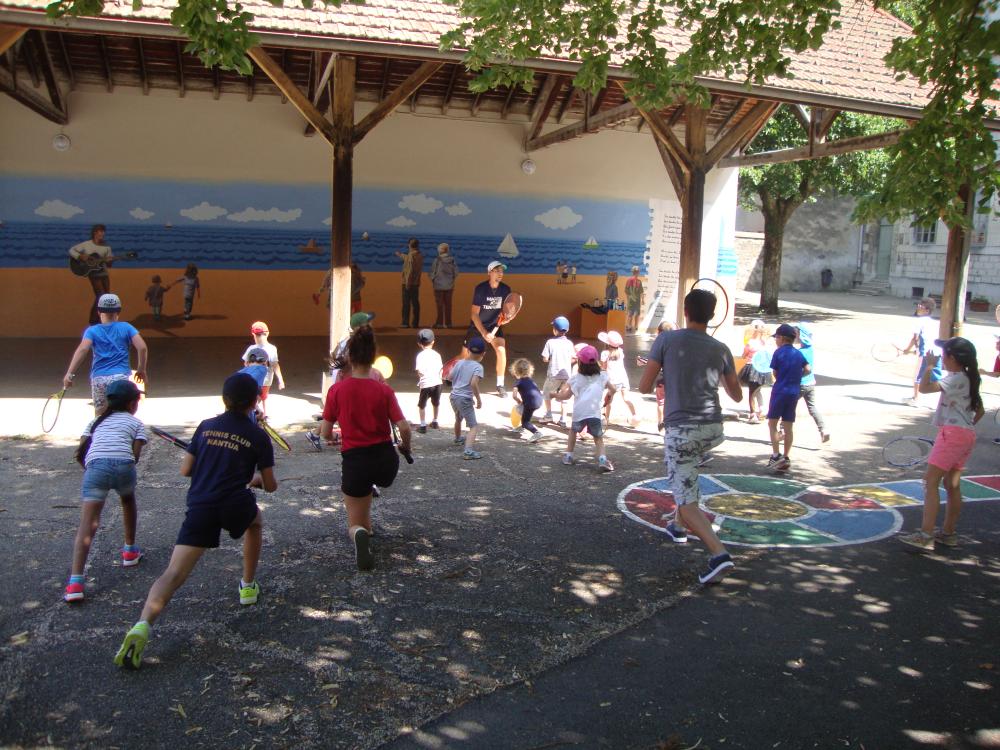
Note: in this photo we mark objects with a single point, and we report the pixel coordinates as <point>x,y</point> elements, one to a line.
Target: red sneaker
<point>131,558</point>
<point>74,592</point>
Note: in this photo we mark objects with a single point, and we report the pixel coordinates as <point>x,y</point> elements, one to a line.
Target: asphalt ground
<point>511,600</point>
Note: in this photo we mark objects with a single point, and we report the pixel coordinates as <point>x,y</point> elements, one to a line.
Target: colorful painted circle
<point>754,511</point>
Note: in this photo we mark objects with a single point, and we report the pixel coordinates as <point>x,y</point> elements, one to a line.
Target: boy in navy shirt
<point>789,366</point>
<point>227,455</point>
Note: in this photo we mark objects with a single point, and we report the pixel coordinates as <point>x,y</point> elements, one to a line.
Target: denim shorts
<point>593,425</point>
<point>105,474</point>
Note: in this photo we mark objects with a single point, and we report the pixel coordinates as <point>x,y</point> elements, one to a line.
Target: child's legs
<point>599,445</point>
<point>90,520</point>
<point>253,540</point>
<point>932,497</point>
<point>182,562</point>
<point>809,394</point>
<point>129,517</point>
<point>789,429</point>
<point>772,429</point>
<point>359,513</point>
<point>188,305</point>
<point>627,400</point>
<point>952,483</point>
<point>526,416</point>
<point>470,438</point>
<point>571,441</point>
<point>753,398</point>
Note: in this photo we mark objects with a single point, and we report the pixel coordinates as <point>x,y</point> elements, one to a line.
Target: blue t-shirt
<point>227,449</point>
<point>787,363</point>
<point>808,353</point>
<point>531,396</point>
<point>257,372</point>
<point>490,302</point>
<point>461,377</point>
<point>110,346</point>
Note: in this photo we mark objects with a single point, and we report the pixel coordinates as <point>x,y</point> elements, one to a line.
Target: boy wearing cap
<point>109,449</point>
<point>808,385</point>
<point>922,342</point>
<point>789,367</point>
<point>465,377</point>
<point>260,332</point>
<point>429,382</point>
<point>487,304</point>
<point>109,342</point>
<point>227,455</point>
<point>256,366</point>
<point>560,355</point>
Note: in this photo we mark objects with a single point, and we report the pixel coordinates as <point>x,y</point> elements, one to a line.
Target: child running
<point>526,394</point>
<point>588,387</point>
<point>808,385</point>
<point>110,445</point>
<point>924,333</point>
<point>154,295</point>
<point>364,408</point>
<point>227,455</point>
<point>465,377</point>
<point>560,355</point>
<point>753,379</point>
<point>959,408</point>
<point>429,366</point>
<point>788,366</point>
<point>994,373</point>
<point>613,361</point>
<point>260,332</point>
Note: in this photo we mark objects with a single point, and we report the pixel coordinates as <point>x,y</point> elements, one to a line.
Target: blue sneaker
<point>315,439</point>
<point>718,568</point>
<point>470,455</point>
<point>677,533</point>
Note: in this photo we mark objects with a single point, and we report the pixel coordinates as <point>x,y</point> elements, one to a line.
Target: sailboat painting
<point>507,248</point>
<point>591,243</point>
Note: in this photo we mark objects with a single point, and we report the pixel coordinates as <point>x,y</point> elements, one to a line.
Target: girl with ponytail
<point>959,408</point>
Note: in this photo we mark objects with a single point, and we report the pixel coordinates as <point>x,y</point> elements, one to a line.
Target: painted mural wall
<point>233,187</point>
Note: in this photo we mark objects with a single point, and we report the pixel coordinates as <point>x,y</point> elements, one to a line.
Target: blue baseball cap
<point>476,345</point>
<point>560,323</point>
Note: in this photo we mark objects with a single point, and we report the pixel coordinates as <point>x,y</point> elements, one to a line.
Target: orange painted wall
<point>53,303</point>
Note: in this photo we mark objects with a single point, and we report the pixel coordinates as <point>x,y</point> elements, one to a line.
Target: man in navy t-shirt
<point>487,303</point>
<point>227,456</point>
<point>789,366</point>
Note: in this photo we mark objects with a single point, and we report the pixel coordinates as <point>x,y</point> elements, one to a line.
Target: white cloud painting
<point>459,209</point>
<point>420,203</point>
<point>141,214</point>
<point>401,221</point>
<point>57,209</point>
<point>328,221</point>
<point>271,214</point>
<point>204,211</point>
<point>563,217</point>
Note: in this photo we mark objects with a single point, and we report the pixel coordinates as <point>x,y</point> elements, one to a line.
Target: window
<point>925,235</point>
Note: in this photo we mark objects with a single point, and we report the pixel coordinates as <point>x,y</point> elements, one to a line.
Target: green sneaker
<point>130,653</point>
<point>249,594</point>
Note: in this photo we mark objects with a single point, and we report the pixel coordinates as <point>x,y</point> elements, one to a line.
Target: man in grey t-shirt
<point>694,366</point>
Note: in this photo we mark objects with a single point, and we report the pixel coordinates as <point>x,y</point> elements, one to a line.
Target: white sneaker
<point>568,459</point>
<point>534,437</point>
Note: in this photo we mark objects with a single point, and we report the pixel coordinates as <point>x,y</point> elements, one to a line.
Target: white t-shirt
<point>272,359</point>
<point>559,352</point>
<point>954,409</point>
<point>114,436</point>
<point>588,390</point>
<point>89,247</point>
<point>615,368</point>
<point>429,366</point>
<point>927,329</point>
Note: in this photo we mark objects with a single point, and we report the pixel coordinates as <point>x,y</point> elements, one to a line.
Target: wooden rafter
<point>49,73</point>
<point>11,66</point>
<point>801,113</point>
<point>399,95</point>
<point>143,73</point>
<point>817,151</point>
<point>725,145</point>
<point>729,116</point>
<point>455,68</point>
<point>507,101</point>
<point>106,62</point>
<point>311,78</point>
<point>543,105</point>
<point>284,67</point>
<point>567,102</point>
<point>181,89</point>
<point>9,35</point>
<point>30,99</point>
<point>677,178</point>
<point>385,79</point>
<point>26,47</point>
<point>321,97</point>
<point>67,66</point>
<point>216,82</point>
<point>581,127</point>
<point>664,134</point>
<point>758,129</point>
<point>476,102</point>
<point>288,88</point>
<point>595,105</point>
<point>820,123</point>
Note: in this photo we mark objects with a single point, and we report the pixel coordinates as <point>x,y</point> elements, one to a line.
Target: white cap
<point>109,303</point>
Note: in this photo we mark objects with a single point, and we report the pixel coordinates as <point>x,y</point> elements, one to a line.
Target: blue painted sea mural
<point>269,226</point>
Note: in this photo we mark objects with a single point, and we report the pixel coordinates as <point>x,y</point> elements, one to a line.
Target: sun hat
<point>587,355</point>
<point>109,303</point>
<point>758,323</point>
<point>961,349</point>
<point>122,391</point>
<point>259,327</point>
<point>476,345</point>
<point>257,354</point>
<point>786,331</point>
<point>241,388</point>
<point>361,318</point>
<point>425,336</point>
<point>560,323</point>
<point>496,264</point>
<point>611,338</point>
<point>805,333</point>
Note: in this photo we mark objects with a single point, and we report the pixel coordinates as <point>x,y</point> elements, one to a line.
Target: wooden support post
<point>292,92</point>
<point>388,105</point>
<point>692,205</point>
<point>956,272</point>
<point>9,35</point>
<point>342,130</point>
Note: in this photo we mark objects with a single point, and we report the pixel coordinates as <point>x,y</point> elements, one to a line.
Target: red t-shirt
<point>996,365</point>
<point>363,407</point>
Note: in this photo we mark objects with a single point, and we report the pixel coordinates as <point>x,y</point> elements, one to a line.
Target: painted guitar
<point>86,265</point>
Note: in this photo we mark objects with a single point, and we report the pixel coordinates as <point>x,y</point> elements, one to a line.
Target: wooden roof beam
<point>820,122</point>
<point>106,62</point>
<point>725,145</point>
<point>385,79</point>
<point>181,87</point>
<point>67,65</point>
<point>26,48</point>
<point>49,73</point>
<point>586,125</point>
<point>729,116</point>
<point>143,73</point>
<point>399,95</point>
<point>9,35</point>
<point>30,99</point>
<point>476,102</point>
<point>757,130</point>
<point>567,102</point>
<point>321,97</point>
<point>543,106</point>
<point>288,88</point>
<point>598,100</point>
<point>455,68</point>
<point>507,101</point>
<point>819,151</point>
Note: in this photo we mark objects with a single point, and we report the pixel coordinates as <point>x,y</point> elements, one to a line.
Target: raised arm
<point>142,351</point>
<point>74,363</point>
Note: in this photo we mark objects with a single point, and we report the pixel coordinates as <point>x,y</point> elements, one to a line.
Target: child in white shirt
<point>429,366</point>
<point>560,355</point>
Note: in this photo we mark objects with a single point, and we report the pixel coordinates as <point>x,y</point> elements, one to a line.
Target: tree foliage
<point>954,49</point>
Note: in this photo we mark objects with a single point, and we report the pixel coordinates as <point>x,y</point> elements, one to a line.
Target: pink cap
<point>611,338</point>
<point>587,355</point>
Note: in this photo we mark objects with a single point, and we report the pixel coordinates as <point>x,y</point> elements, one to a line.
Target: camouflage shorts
<point>684,446</point>
<point>99,387</point>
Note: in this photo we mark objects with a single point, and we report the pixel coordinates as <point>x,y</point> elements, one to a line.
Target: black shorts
<point>203,524</point>
<point>363,467</point>
<point>473,332</point>
<point>433,393</point>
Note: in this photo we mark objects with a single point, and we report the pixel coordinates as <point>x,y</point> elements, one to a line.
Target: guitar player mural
<point>92,258</point>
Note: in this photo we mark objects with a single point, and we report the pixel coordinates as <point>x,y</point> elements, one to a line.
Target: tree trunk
<point>770,262</point>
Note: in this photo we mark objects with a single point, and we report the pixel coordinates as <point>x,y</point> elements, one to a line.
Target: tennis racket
<point>511,307</point>
<point>448,367</point>
<point>907,451</point>
<point>169,438</point>
<point>398,442</point>
<point>384,365</point>
<point>721,310</point>
<point>883,351</point>
<point>641,361</point>
<point>51,409</point>
<point>275,437</point>
<point>761,362</point>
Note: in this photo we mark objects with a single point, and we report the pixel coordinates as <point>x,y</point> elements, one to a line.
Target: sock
<point>423,423</point>
<point>131,548</point>
<point>76,579</point>
<point>499,381</point>
<point>143,622</point>
<point>244,584</point>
